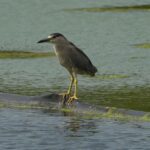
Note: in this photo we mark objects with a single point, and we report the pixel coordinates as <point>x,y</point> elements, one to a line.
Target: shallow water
<point>109,39</point>
<point>36,129</point>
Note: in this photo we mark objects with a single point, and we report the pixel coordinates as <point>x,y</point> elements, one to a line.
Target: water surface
<point>33,129</point>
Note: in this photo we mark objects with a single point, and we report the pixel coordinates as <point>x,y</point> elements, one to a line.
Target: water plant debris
<point>24,54</point>
<point>113,8</point>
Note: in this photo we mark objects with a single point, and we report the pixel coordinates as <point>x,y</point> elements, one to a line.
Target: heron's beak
<point>44,40</point>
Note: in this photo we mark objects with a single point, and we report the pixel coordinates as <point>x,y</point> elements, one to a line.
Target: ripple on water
<point>35,129</point>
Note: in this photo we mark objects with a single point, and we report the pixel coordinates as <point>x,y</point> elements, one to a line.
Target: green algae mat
<point>24,54</point>
<point>112,8</point>
<point>143,45</point>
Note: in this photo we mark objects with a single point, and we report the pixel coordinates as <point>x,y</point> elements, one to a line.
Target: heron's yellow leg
<point>66,96</point>
<point>70,86</point>
<point>74,97</point>
<point>69,89</point>
<point>75,88</point>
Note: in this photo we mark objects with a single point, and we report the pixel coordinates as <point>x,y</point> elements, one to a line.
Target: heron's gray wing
<point>81,61</point>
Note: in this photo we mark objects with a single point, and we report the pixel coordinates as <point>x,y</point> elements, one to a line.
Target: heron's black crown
<point>54,35</point>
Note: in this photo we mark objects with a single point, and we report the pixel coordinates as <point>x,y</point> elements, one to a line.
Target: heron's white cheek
<point>55,51</point>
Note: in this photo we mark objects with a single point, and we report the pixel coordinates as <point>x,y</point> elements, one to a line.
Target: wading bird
<point>73,59</point>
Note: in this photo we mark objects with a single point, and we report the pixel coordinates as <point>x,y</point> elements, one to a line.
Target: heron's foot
<point>71,99</point>
<point>65,95</point>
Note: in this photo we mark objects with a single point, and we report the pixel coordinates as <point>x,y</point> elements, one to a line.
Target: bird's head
<point>53,38</point>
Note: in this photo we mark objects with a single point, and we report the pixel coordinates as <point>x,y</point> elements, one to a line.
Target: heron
<point>73,59</point>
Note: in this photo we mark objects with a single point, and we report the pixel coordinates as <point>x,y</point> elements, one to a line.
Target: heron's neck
<point>60,46</point>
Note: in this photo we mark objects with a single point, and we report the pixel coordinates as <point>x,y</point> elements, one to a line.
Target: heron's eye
<point>55,36</point>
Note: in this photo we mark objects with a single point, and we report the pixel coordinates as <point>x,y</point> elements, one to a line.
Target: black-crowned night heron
<point>72,58</point>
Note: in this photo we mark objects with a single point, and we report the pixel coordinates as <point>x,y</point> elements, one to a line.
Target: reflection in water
<point>74,124</point>
<point>78,125</point>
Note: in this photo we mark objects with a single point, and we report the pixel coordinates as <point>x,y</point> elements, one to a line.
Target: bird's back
<point>74,59</point>
<point>80,61</point>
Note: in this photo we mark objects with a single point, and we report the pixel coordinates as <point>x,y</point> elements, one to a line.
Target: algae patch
<point>24,54</point>
<point>143,45</point>
<point>112,113</point>
<point>112,8</point>
<point>94,112</point>
<point>22,106</point>
<point>111,76</point>
<point>135,98</point>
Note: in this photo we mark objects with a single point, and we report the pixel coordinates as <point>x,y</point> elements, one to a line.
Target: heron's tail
<point>93,70</point>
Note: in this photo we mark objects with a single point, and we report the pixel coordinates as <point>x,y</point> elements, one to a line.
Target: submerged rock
<point>54,102</point>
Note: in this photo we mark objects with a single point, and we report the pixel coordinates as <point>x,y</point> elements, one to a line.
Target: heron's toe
<point>71,99</point>
<point>74,97</point>
<point>64,94</point>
